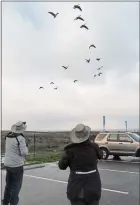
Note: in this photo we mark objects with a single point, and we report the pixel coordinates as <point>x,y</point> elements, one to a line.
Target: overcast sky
<point>35,46</point>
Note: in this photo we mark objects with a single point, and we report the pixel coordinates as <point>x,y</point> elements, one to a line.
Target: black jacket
<point>82,157</point>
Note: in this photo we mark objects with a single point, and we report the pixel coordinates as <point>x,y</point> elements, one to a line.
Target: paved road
<point>47,186</point>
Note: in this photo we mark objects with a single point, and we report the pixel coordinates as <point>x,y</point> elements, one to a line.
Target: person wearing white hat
<point>16,151</point>
<point>81,156</point>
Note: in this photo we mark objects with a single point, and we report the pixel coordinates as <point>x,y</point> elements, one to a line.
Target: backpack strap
<point>18,145</point>
<point>9,133</point>
<point>12,135</point>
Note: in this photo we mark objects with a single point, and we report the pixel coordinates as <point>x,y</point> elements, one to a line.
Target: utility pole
<point>34,145</point>
<point>126,125</point>
<point>103,123</point>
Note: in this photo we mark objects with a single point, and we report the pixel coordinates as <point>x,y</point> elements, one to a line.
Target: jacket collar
<point>86,143</point>
<point>13,135</point>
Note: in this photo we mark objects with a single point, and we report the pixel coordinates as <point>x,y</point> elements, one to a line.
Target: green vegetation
<point>43,157</point>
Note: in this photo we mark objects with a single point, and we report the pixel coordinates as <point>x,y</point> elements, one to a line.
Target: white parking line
<point>129,162</point>
<point>121,171</point>
<point>64,182</point>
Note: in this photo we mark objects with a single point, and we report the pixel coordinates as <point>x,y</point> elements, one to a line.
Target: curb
<point>28,167</point>
<point>34,166</point>
<point>49,163</point>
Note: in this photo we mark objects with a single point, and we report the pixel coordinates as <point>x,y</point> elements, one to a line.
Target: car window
<point>112,138</point>
<point>135,136</point>
<point>100,137</point>
<point>124,138</point>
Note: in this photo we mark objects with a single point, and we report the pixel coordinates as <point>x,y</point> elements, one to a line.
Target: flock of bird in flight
<point>91,46</point>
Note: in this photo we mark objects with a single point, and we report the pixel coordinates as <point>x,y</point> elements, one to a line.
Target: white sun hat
<point>19,127</point>
<point>80,133</point>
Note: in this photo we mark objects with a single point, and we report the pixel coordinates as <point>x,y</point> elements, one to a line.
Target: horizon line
<point>93,130</point>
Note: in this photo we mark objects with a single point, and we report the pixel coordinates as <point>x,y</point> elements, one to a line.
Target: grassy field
<point>43,157</point>
<point>39,158</point>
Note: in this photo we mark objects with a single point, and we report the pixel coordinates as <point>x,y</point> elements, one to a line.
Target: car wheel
<point>138,153</point>
<point>105,153</point>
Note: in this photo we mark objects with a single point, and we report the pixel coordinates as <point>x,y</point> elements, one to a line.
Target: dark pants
<point>81,202</point>
<point>14,178</point>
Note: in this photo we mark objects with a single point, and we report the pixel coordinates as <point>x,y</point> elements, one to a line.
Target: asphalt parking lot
<point>47,186</point>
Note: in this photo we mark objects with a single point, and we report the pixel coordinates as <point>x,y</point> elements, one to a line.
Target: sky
<point>35,46</point>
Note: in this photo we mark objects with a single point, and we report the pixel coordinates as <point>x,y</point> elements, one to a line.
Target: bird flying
<point>95,76</point>
<point>80,18</point>
<point>92,46</point>
<point>75,81</point>
<point>65,67</point>
<point>99,74</point>
<point>99,68</point>
<point>98,59</point>
<point>54,15</point>
<point>77,7</point>
<point>84,26</point>
<point>56,88</point>
<point>52,83</point>
<point>41,88</point>
<point>87,60</point>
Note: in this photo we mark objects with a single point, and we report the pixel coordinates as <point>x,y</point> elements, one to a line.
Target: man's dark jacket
<point>82,157</point>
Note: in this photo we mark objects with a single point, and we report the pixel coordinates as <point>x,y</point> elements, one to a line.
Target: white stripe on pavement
<point>129,162</point>
<point>53,180</point>
<point>116,191</point>
<point>115,170</point>
<point>64,182</point>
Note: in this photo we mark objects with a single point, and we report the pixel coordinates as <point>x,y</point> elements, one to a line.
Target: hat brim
<point>13,129</point>
<point>77,140</point>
